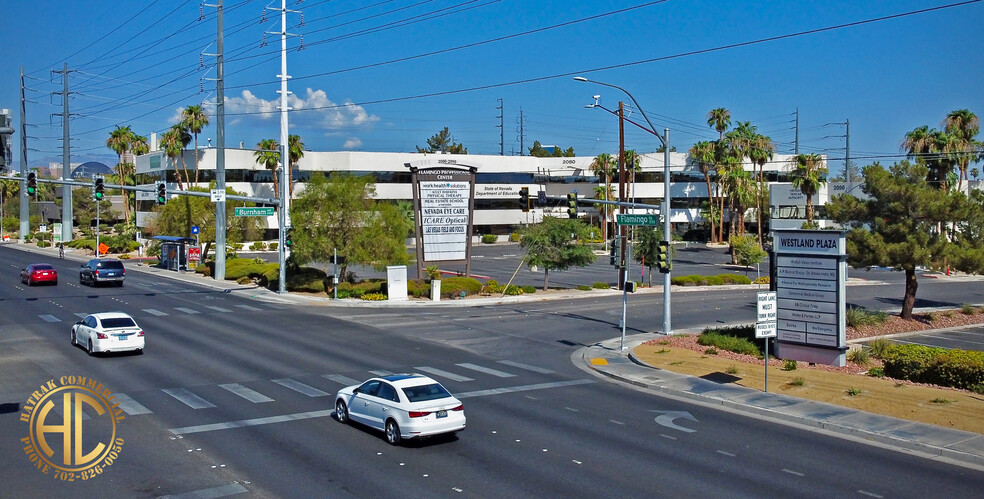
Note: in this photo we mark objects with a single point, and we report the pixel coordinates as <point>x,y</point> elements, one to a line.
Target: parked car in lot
<point>108,332</point>
<point>403,406</point>
<point>39,272</point>
<point>102,270</point>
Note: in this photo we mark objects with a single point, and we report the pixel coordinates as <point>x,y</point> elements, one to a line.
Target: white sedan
<point>108,332</point>
<point>403,406</point>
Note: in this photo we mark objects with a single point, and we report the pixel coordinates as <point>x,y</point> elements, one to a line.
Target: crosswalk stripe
<point>187,310</point>
<point>188,398</point>
<point>526,366</point>
<point>249,307</point>
<point>486,370</point>
<point>130,406</point>
<point>246,393</point>
<point>345,380</point>
<point>381,372</point>
<point>49,318</point>
<point>217,309</point>
<point>299,387</point>
<point>444,374</point>
<point>153,311</point>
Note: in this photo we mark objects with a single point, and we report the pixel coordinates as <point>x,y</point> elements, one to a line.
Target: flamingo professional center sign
<point>444,201</point>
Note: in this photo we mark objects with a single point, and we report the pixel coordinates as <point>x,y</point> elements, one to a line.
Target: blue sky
<point>384,76</point>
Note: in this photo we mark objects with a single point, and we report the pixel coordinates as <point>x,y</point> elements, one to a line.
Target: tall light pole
<point>665,142</point>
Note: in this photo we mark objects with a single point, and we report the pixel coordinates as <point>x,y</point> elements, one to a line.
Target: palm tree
<point>605,167</point>
<point>295,151</point>
<point>268,154</point>
<point>171,144</point>
<point>963,125</point>
<point>760,153</point>
<point>809,174</point>
<point>702,153</point>
<point>193,119</point>
<point>121,141</point>
<point>633,163</point>
<point>720,120</point>
<point>182,138</point>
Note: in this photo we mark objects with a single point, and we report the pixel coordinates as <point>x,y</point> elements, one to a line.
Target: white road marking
<point>791,472</point>
<point>338,378</point>
<point>299,387</point>
<point>486,370</point>
<point>217,309</point>
<point>380,373</point>
<point>187,310</point>
<point>246,393</point>
<point>251,422</point>
<point>526,366</point>
<point>725,453</point>
<point>154,311</point>
<point>249,307</point>
<point>522,388</point>
<point>188,398</point>
<point>444,374</point>
<point>130,406</point>
<point>81,315</point>
<point>220,491</point>
<point>49,318</point>
<point>869,494</point>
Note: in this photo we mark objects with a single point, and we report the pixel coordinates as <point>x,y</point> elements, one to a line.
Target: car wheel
<point>75,341</point>
<point>392,432</point>
<point>91,353</point>
<point>341,412</point>
<point>54,283</point>
<point>120,284</point>
<point>81,281</point>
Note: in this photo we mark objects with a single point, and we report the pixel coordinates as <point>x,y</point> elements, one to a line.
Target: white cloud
<point>312,110</point>
<point>352,143</point>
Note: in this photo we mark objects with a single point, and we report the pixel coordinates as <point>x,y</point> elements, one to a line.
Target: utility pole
<point>522,131</point>
<point>284,194</point>
<point>25,225</point>
<point>796,142</point>
<point>220,178</point>
<point>66,164</point>
<point>502,130</point>
<point>621,194</point>
<point>848,171</point>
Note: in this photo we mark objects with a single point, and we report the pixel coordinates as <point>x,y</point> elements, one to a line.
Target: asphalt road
<point>234,394</point>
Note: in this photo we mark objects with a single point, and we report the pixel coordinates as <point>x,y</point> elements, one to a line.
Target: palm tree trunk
<point>710,204</point>
<point>761,197</point>
<point>196,158</point>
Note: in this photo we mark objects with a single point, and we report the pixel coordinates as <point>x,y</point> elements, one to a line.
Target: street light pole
<point>665,142</point>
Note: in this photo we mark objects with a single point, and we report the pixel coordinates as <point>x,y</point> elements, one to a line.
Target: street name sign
<point>243,211</point>
<point>645,219</point>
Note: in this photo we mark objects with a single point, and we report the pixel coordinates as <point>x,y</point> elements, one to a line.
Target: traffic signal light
<point>572,205</point>
<point>32,183</point>
<point>161,188</point>
<point>663,258</point>
<point>613,252</point>
<point>289,237</point>
<point>524,198</point>
<point>98,189</point>
<point>541,198</point>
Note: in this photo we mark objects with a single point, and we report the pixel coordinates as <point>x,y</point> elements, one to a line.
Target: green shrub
<point>43,243</point>
<point>859,356</point>
<point>274,246</point>
<point>876,372</point>
<point>306,280</point>
<point>245,280</point>
<point>601,285</point>
<point>453,286</point>
<point>583,287</point>
<point>418,288</point>
<point>512,290</point>
<point>788,365</point>
<point>711,351</point>
<point>856,316</point>
<point>854,392</point>
<point>967,309</point>
<point>489,238</point>
<point>373,297</point>
<point>938,366</point>
<point>528,289</point>
<point>732,343</point>
<point>798,381</point>
<point>761,280</point>
<point>732,369</point>
<point>514,237</point>
<point>715,280</point>
<point>877,347</point>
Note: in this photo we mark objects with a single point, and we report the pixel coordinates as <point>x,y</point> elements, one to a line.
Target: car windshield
<point>116,322</point>
<point>110,265</point>
<point>421,393</point>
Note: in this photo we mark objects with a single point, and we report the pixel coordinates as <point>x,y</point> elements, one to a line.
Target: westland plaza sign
<point>810,272</point>
<point>444,204</point>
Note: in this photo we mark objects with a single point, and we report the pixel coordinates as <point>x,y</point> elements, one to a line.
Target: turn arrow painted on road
<point>667,417</point>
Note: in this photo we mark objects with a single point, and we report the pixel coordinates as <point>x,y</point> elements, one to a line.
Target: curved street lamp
<point>665,142</point>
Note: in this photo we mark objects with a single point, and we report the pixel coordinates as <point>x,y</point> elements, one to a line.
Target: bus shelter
<point>174,251</point>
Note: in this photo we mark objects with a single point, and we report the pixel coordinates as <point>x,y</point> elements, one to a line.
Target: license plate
<point>122,336</point>
<point>442,414</point>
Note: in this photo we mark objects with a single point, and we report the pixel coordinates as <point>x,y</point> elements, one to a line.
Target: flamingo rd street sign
<point>645,219</point>
<point>266,211</point>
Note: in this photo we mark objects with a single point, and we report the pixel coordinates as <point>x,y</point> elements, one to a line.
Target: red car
<point>39,272</point>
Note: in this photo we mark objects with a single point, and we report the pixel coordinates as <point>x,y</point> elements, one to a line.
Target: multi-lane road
<point>234,396</point>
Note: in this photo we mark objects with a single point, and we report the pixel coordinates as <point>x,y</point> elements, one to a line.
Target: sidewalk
<point>606,359</point>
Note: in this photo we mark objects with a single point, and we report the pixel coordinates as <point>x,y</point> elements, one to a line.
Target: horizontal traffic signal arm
<point>151,189</point>
<point>584,200</point>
